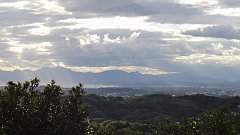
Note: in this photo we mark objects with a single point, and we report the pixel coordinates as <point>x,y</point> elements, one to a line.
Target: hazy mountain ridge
<point>67,77</point>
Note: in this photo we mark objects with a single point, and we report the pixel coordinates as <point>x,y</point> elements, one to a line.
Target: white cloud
<point>107,39</point>
<point>224,11</point>
<point>217,53</point>
<point>218,46</point>
<point>207,59</point>
<point>40,31</point>
<point>132,23</point>
<point>143,70</point>
<point>89,39</point>
<point>135,35</point>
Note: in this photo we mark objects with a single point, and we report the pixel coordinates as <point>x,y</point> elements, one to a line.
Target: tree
<point>218,121</point>
<point>24,109</point>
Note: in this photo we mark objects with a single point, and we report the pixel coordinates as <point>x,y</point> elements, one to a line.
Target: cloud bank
<point>149,36</point>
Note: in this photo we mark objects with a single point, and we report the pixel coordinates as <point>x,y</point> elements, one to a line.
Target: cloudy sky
<point>150,36</point>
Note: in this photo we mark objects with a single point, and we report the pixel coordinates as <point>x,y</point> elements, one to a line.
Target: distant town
<point>174,91</point>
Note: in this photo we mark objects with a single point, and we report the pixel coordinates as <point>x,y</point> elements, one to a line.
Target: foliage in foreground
<point>26,110</point>
<point>114,127</point>
<point>218,121</point>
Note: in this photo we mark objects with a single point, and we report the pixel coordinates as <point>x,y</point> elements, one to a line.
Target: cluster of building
<point>176,91</point>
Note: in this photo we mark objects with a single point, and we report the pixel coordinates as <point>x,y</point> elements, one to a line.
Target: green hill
<point>154,107</point>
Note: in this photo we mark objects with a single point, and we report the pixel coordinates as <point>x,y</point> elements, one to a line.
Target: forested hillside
<point>154,107</point>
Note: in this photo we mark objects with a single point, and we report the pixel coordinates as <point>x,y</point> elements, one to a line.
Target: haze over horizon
<point>195,39</point>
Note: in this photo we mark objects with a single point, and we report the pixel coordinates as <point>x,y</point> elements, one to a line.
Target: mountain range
<point>67,77</point>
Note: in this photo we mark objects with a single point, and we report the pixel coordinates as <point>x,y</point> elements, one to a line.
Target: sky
<point>199,37</point>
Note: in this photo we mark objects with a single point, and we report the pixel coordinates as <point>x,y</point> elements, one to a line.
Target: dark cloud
<point>230,3</point>
<point>222,31</point>
<point>127,7</point>
<point>158,11</point>
<point>12,17</point>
